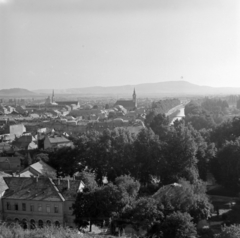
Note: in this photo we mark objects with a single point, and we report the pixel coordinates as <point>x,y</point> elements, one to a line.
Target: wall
<point>17,129</point>
<point>36,215</point>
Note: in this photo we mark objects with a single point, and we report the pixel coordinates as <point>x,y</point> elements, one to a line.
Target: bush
<point>16,231</point>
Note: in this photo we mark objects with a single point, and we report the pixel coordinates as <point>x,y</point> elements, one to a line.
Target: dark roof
<point>38,189</point>
<point>67,102</point>
<point>23,141</point>
<point>41,189</point>
<point>126,103</point>
<point>10,159</point>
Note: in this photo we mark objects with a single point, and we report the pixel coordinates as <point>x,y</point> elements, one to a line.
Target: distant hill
<point>163,88</point>
<point>16,92</point>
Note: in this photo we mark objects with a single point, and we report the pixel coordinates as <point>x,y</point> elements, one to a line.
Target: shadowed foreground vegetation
<point>16,231</point>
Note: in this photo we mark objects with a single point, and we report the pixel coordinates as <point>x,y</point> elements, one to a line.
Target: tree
<point>176,225</point>
<point>145,213</point>
<point>185,197</point>
<point>226,165</point>
<point>230,232</point>
<point>88,179</point>
<point>159,125</point>
<point>97,205</point>
<point>148,154</point>
<point>109,201</point>
<point>179,156</point>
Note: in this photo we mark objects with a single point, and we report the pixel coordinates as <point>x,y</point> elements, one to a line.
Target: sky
<point>82,43</point>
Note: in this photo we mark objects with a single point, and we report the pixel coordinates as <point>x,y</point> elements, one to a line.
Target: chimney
<point>68,184</point>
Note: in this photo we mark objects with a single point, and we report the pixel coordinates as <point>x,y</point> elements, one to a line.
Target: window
<point>31,208</point>
<point>24,206</point>
<point>16,206</point>
<point>56,210</point>
<point>48,208</point>
<point>8,206</point>
<point>39,207</point>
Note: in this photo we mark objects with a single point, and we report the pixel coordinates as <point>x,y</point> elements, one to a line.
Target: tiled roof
<point>38,189</point>
<point>41,189</point>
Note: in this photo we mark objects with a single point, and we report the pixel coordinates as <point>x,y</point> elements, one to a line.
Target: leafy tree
<point>230,232</point>
<point>185,197</point>
<point>66,161</point>
<point>88,179</point>
<point>176,225</point>
<point>226,166</point>
<point>179,159</point>
<point>145,213</point>
<point>148,153</point>
<point>159,125</point>
<point>105,202</point>
<point>96,205</point>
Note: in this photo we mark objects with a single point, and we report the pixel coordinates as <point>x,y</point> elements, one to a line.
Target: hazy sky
<point>80,43</point>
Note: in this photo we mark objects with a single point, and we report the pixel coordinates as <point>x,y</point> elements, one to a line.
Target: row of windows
<point>15,207</point>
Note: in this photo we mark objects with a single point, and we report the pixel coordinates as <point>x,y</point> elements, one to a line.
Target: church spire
<point>135,98</point>
<point>134,94</point>
<point>53,96</point>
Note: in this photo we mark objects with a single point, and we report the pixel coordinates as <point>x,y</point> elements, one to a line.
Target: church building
<point>130,105</point>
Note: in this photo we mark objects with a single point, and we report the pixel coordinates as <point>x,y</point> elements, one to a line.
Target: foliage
<point>88,179</point>
<point>15,231</point>
<point>226,165</point>
<point>198,117</point>
<point>104,202</point>
<point>176,225</point>
<point>230,232</point>
<point>227,131</point>
<point>162,106</point>
<point>179,156</point>
<point>145,213</point>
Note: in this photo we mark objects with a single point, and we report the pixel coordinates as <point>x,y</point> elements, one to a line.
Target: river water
<point>178,116</point>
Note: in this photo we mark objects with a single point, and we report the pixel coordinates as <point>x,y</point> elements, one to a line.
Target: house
<point>10,164</point>
<point>56,141</point>
<point>39,168</point>
<point>40,201</point>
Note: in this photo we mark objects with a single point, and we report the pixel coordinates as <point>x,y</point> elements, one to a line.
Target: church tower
<point>53,96</point>
<point>135,98</point>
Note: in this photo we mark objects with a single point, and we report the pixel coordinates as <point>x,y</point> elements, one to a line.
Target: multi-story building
<point>40,201</point>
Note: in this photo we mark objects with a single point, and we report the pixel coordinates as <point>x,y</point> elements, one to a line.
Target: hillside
<point>163,88</point>
<point>16,91</point>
